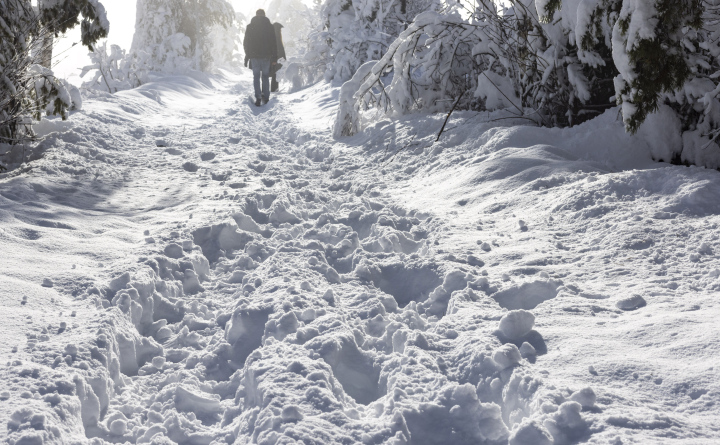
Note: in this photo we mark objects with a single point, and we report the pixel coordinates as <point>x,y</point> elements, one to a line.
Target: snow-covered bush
<point>113,71</point>
<point>432,65</point>
<point>351,32</point>
<point>558,63</point>
<point>176,35</point>
<point>27,90</point>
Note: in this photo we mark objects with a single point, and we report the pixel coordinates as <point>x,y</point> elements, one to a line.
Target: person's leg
<point>273,78</point>
<point>257,70</point>
<point>266,80</point>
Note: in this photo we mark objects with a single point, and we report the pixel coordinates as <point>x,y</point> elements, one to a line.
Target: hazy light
<point>68,60</point>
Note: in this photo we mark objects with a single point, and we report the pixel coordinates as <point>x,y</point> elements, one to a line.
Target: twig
<point>402,148</point>
<point>448,115</point>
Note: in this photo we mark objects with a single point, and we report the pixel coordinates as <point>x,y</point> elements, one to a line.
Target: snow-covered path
<point>227,274</point>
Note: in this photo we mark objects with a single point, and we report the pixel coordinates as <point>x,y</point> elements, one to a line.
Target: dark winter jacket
<point>259,40</point>
<point>278,39</point>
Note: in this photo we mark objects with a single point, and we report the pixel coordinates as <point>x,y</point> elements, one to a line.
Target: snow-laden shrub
<point>430,65</point>
<point>113,71</point>
<point>27,90</point>
<point>352,32</point>
<point>176,35</point>
<point>561,63</point>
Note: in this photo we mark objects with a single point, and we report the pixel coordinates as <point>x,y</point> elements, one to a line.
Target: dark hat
<point>260,12</point>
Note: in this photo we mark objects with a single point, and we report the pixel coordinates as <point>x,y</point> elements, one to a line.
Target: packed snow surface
<point>182,267</point>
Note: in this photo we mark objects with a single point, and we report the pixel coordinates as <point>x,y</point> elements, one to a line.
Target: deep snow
<point>180,266</point>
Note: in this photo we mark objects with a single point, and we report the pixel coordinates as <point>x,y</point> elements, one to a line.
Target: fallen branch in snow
<point>448,115</point>
<point>400,149</point>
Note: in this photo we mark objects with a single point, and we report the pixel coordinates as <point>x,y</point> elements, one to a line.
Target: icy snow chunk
<point>217,240</point>
<point>319,153</point>
<point>191,282</point>
<point>530,432</point>
<point>585,397</point>
<point>280,215</point>
<point>528,295</point>
<point>47,282</point>
<point>567,425</point>
<point>456,417</point>
<point>291,414</point>
<point>516,324</point>
<point>527,350</point>
<point>631,303</point>
<point>507,355</point>
<point>158,362</point>
<point>174,250</point>
<point>118,427</point>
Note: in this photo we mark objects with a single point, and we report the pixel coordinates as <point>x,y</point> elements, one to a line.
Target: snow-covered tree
<point>297,19</point>
<point>351,32</point>
<point>428,67</point>
<point>174,35</point>
<point>651,52</point>
<point>59,16</point>
<point>28,90</point>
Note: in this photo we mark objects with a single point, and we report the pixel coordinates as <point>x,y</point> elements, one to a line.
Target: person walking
<point>261,51</point>
<point>274,85</point>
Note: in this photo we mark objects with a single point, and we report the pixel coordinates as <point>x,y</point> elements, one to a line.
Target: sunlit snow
<point>182,267</point>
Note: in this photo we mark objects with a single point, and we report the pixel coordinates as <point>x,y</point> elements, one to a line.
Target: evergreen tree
<point>59,16</point>
<point>651,53</point>
<point>28,90</point>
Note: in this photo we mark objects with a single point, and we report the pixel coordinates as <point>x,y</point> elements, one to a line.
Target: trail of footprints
<point>315,313</point>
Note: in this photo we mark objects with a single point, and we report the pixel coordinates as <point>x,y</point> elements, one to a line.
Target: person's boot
<point>264,101</point>
<point>257,102</point>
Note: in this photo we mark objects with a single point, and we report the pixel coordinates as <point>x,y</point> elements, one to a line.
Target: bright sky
<point>70,59</point>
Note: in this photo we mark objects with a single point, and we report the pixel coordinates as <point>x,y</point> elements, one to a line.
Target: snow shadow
<point>356,373</point>
<point>244,332</point>
<point>219,240</point>
<point>405,282</point>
